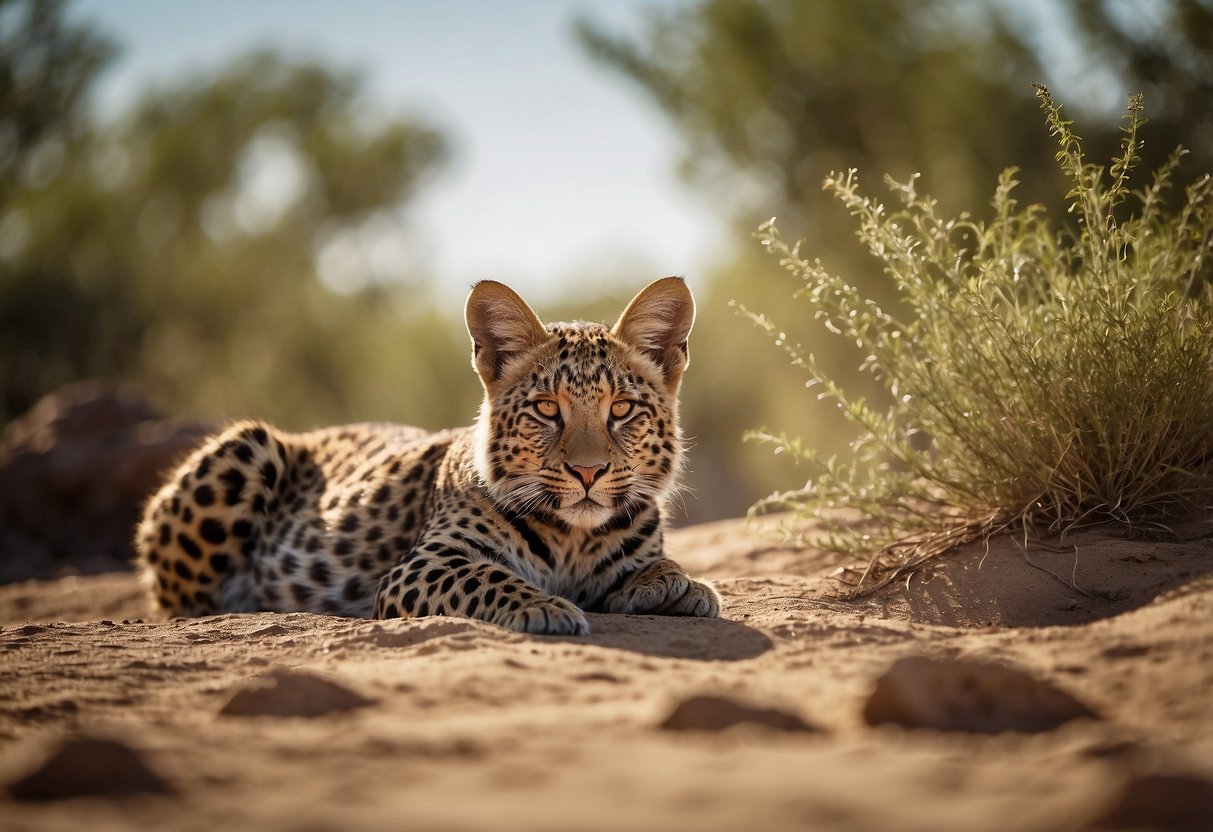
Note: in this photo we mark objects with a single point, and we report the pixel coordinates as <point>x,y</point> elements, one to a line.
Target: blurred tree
<point>771,95</point>
<point>235,244</point>
<point>784,91</point>
<point>46,68</point>
<point>1162,49</point>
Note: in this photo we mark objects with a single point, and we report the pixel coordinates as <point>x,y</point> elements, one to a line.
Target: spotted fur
<point>550,505</point>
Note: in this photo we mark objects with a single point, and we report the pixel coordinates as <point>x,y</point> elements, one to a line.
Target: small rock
<point>977,697</point>
<point>1170,802</point>
<point>286,694</point>
<point>717,713</point>
<point>85,766</point>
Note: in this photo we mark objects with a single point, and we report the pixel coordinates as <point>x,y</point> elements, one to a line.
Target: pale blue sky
<point>561,170</point>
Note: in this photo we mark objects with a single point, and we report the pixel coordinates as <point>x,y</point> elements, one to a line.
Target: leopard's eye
<point>620,409</point>
<point>548,408</point>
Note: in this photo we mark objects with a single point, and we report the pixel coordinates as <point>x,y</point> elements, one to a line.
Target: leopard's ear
<point>658,322</point>
<point>502,326</point>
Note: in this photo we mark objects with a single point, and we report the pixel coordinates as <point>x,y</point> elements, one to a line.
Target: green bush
<point>1041,377</point>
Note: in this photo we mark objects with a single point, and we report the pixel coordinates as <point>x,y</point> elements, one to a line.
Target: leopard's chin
<point>585,514</point>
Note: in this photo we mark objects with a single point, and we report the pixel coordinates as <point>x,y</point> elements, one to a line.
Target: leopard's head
<point>580,421</point>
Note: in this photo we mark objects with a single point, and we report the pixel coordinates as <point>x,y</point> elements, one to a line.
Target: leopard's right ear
<point>502,327</point>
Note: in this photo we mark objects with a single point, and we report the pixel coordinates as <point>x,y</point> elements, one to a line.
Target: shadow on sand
<point>700,639</point>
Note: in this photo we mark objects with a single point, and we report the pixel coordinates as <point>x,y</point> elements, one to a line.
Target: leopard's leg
<point>449,582</point>
<point>662,588</point>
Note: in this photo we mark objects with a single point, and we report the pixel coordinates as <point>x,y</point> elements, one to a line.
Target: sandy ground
<point>759,721</point>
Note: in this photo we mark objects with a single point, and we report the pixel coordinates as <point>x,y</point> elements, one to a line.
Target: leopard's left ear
<point>658,322</point>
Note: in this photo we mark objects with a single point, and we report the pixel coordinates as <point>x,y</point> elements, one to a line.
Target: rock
<point>85,766</point>
<point>288,693</point>
<point>977,697</point>
<point>717,713</point>
<point>74,473</point>
<point>1171,802</point>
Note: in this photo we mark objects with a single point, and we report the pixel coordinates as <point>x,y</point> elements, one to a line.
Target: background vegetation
<point>148,247</point>
<point>772,95</point>
<point>1039,376</point>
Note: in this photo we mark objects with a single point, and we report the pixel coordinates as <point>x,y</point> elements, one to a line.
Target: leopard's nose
<point>588,474</point>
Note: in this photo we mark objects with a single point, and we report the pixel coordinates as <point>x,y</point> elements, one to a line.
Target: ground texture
<point>1059,689</point>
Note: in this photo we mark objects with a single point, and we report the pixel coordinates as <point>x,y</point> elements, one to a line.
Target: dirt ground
<point>1057,689</point>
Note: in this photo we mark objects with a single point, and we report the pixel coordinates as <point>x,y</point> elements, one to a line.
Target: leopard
<point>553,504</point>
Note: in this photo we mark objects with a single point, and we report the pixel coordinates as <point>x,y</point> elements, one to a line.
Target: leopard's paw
<point>546,615</point>
<point>664,589</point>
<point>700,600</point>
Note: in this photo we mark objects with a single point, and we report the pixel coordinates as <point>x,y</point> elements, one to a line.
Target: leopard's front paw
<point>547,615</point>
<point>700,600</point>
<point>664,589</point>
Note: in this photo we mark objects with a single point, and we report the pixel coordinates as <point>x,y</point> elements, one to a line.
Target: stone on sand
<point>971,696</point>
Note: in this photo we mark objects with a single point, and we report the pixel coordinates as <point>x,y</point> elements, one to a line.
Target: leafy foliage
<point>1040,376</point>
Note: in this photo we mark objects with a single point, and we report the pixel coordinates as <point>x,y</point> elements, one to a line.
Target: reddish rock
<point>74,472</point>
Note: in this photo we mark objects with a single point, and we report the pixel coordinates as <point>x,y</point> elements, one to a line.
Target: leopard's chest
<point>575,564</point>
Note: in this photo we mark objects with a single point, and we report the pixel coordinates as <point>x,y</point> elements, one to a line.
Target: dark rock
<point>977,697</point>
<point>89,767</point>
<point>74,473</point>
<point>1171,802</point>
<point>717,713</point>
<point>287,693</point>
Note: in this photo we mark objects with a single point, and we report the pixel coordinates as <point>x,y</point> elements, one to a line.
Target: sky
<point>562,177</point>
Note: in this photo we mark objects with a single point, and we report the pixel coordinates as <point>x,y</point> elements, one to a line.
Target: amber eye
<point>621,409</point>
<point>548,408</point>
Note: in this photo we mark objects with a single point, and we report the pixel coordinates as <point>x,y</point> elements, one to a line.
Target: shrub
<point>1042,376</point>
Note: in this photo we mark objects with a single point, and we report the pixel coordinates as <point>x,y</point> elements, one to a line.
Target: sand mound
<point>1173,803</point>
<point>972,696</point>
<point>648,722</point>
<point>89,767</point>
<point>718,713</point>
<point>286,694</point>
